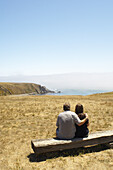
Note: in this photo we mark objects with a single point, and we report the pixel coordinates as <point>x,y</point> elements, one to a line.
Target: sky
<point>43,37</point>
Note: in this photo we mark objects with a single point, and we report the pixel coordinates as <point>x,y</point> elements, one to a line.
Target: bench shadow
<point>70,152</point>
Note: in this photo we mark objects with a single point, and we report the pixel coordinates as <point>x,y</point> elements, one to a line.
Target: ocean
<point>78,92</point>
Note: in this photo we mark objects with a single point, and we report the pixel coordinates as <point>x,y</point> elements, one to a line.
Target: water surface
<point>78,92</point>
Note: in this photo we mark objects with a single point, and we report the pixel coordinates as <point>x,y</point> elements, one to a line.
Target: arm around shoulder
<point>84,120</point>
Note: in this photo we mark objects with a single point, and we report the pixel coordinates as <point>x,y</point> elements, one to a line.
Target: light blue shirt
<point>66,125</point>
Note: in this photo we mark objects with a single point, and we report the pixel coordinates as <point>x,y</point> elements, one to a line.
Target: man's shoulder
<point>67,112</point>
<point>60,114</point>
<point>74,115</point>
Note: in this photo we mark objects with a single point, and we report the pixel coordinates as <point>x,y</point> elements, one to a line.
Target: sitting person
<point>81,131</point>
<point>66,123</point>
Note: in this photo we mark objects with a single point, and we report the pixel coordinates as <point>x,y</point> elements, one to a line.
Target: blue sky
<point>40,37</point>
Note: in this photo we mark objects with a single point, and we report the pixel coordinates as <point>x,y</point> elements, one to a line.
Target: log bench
<point>40,146</point>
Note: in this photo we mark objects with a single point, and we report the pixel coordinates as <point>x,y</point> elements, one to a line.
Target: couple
<point>70,124</point>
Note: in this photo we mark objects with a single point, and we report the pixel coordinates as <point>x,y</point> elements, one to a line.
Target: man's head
<point>66,107</point>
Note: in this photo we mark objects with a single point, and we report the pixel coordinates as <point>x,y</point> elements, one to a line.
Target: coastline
<point>78,92</point>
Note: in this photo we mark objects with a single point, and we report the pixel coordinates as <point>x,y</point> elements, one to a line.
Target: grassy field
<point>23,118</point>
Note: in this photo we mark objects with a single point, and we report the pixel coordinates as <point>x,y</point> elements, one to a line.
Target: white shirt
<point>66,125</point>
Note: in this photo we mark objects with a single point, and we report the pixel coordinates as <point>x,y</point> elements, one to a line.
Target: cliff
<point>22,88</point>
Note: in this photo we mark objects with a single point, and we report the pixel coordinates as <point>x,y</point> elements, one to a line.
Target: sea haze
<point>69,83</point>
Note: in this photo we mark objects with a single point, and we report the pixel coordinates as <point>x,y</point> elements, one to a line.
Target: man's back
<point>66,125</point>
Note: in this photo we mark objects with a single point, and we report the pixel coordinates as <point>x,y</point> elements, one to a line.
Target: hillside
<point>22,88</point>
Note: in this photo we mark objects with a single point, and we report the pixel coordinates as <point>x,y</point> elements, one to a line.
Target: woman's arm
<point>87,122</point>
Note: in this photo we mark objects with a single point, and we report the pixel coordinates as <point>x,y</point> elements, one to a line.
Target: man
<point>66,123</point>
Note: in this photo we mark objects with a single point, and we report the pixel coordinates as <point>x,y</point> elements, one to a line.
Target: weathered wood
<point>110,145</point>
<point>48,145</point>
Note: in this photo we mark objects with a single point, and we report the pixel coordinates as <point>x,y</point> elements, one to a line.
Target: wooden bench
<point>40,146</point>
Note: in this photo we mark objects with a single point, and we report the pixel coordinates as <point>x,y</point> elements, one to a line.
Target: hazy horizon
<point>80,81</point>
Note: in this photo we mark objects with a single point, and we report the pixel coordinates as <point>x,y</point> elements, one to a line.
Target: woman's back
<point>82,131</point>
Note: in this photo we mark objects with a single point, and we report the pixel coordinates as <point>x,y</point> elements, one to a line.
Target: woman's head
<point>79,108</point>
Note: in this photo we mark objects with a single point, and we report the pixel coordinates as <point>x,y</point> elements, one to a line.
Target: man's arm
<point>83,120</point>
<point>57,123</point>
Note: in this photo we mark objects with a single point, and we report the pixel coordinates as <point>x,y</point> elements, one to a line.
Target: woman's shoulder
<point>81,115</point>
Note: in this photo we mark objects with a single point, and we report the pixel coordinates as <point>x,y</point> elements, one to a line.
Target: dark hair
<point>66,106</point>
<point>79,108</point>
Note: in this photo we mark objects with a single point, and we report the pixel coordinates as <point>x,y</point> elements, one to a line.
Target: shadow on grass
<point>70,152</point>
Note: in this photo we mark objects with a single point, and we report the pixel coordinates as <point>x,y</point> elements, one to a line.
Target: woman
<point>81,131</point>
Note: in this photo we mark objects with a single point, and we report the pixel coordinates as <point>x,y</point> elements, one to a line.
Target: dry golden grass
<point>19,88</point>
<point>24,118</point>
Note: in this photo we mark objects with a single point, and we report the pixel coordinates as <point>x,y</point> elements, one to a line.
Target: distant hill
<point>22,88</point>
